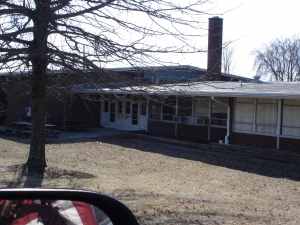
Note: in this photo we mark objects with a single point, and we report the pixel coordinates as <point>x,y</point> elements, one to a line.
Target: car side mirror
<point>62,206</point>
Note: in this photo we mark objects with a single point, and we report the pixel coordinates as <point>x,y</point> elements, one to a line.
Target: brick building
<point>254,113</point>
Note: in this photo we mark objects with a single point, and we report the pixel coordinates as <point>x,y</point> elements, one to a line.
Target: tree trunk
<point>38,113</point>
<point>38,56</point>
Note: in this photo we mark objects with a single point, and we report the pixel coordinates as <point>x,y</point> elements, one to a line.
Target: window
<point>128,103</point>
<point>266,115</point>
<point>120,106</point>
<point>184,107</point>
<point>243,114</point>
<point>169,108</point>
<point>154,110</point>
<point>112,115</point>
<point>201,107</point>
<point>105,106</point>
<point>290,117</point>
<point>135,113</point>
<point>219,112</point>
<point>143,108</point>
<point>256,115</point>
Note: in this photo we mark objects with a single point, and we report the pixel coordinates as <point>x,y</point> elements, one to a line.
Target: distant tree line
<point>279,60</point>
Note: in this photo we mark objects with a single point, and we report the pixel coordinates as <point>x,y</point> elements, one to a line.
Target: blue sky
<point>253,23</point>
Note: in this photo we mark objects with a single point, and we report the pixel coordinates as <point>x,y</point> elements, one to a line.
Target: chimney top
<point>214,54</point>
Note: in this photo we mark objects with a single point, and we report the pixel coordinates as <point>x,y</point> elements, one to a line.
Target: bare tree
<point>279,60</point>
<point>227,58</point>
<point>81,38</point>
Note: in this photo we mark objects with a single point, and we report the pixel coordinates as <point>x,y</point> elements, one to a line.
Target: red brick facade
<point>161,128</point>
<point>194,132</point>
<point>217,134</point>
<point>64,106</point>
<point>290,144</point>
<point>253,140</point>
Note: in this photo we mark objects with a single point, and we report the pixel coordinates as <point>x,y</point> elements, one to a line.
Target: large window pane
<point>243,112</point>
<point>184,106</point>
<point>243,116</point>
<point>201,107</point>
<point>120,106</point>
<point>266,115</point>
<point>291,117</point>
<point>154,110</point>
<point>219,111</point>
<point>242,126</point>
<point>291,131</point>
<point>169,109</point>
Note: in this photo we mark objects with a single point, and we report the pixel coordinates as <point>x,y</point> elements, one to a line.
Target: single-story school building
<point>254,113</point>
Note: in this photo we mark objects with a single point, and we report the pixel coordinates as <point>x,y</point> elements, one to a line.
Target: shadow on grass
<point>229,160</point>
<point>243,163</point>
<point>26,176</point>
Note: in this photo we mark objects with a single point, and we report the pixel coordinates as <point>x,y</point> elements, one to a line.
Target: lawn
<point>164,184</point>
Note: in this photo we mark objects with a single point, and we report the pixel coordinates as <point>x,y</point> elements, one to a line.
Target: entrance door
<point>112,112</point>
<point>135,113</point>
<point>143,116</point>
<point>126,115</point>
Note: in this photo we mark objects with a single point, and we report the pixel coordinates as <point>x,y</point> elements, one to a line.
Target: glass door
<point>112,114</point>
<point>135,113</point>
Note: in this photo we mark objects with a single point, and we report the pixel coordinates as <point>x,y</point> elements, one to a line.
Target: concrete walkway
<point>88,132</point>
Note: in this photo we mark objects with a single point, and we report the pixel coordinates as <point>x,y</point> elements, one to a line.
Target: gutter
<point>228,118</point>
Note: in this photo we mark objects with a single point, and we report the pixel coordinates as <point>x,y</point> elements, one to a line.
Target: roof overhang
<point>218,88</point>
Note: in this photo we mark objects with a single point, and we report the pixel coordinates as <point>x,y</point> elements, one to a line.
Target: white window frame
<point>218,100</point>
<point>207,109</point>
<point>275,126</point>
<point>241,123</point>
<point>290,126</point>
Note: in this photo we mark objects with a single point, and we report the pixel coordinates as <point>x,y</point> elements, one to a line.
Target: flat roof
<point>136,69</point>
<point>215,88</point>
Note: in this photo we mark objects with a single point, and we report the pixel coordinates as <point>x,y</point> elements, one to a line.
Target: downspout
<point>228,119</point>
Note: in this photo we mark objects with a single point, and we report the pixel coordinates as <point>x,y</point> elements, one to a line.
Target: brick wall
<point>290,144</point>
<point>217,134</point>
<point>70,108</point>
<point>17,101</point>
<point>193,132</point>
<point>161,128</point>
<point>253,140</point>
<point>60,105</point>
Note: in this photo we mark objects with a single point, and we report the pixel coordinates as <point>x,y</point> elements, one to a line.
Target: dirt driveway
<point>165,184</point>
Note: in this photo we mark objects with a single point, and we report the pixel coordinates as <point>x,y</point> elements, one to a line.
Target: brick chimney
<point>214,55</point>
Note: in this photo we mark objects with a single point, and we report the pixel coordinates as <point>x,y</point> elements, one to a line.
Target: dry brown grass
<point>162,184</point>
